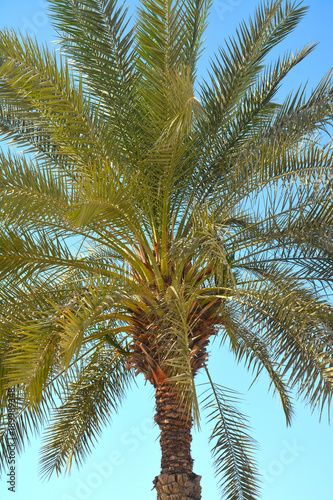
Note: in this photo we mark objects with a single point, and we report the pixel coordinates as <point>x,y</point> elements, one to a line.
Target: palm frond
<point>237,67</point>
<point>106,59</point>
<point>20,124</point>
<point>31,191</point>
<point>89,402</point>
<point>233,447</point>
<point>59,107</point>
<point>251,349</point>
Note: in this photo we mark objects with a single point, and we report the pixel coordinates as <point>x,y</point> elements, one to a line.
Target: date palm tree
<point>151,214</point>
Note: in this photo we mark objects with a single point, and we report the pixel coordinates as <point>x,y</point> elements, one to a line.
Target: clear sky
<point>296,463</point>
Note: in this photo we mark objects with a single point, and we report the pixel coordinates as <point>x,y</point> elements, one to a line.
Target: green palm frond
<point>106,56</point>
<point>80,322</point>
<point>300,117</point>
<point>29,417</point>
<point>195,22</point>
<point>60,107</point>
<point>20,124</point>
<point>168,40</point>
<point>252,122</point>
<point>88,402</point>
<point>297,330</point>
<point>251,349</point>
<point>25,256</point>
<point>233,447</point>
<point>33,194</point>
<point>278,165</point>
<point>237,67</point>
<point>28,421</point>
<point>176,352</point>
<point>107,60</point>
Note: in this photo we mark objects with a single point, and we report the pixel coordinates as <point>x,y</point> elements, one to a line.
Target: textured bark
<point>175,437</point>
<point>177,480</point>
<point>178,487</point>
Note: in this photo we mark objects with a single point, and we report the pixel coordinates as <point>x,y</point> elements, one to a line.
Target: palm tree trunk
<point>177,480</point>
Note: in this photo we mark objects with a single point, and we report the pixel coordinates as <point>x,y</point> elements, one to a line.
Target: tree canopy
<point>158,212</point>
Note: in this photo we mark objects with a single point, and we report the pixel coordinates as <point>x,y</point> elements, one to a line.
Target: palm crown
<point>156,215</point>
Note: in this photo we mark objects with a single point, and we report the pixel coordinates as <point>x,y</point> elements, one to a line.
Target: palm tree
<point>156,215</point>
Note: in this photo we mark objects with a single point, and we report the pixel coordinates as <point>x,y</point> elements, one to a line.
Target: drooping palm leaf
<point>233,447</point>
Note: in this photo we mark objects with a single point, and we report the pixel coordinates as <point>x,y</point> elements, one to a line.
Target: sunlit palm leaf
<point>233,447</point>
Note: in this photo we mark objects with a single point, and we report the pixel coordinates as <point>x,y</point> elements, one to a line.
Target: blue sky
<point>296,463</point>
